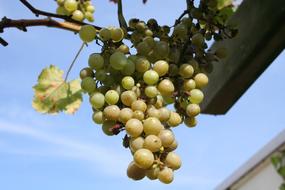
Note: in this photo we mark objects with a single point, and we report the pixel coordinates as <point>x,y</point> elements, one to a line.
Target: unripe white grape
<point>134,127</point>
<point>186,70</point>
<point>87,33</point>
<point>166,175</point>
<point>106,127</point>
<point>166,87</point>
<point>88,84</point>
<point>98,117</point>
<point>89,16</point>
<point>117,34</point>
<point>161,48</point>
<point>161,67</point>
<point>173,146</point>
<point>136,143</point>
<point>143,48</point>
<point>168,99</point>
<point>153,112</point>
<point>86,72</point>
<point>90,8</point>
<point>190,122</point>
<point>142,65</point>
<point>150,41</point>
<point>112,97</point>
<point>164,114</point>
<point>151,91</point>
<point>134,172</point>
<point>77,15</point>
<point>152,173</point>
<point>152,126</point>
<point>118,60</point>
<point>112,112</point>
<point>101,75</point>
<point>138,115</point>
<point>62,11</point>
<point>128,97</point>
<point>189,84</point>
<point>174,120</point>
<point>192,110</point>
<point>97,100</point>
<point>143,158</point>
<point>167,137</point>
<point>159,103</point>
<point>105,34</point>
<point>96,61</point>
<point>152,143</point>
<point>198,39</point>
<point>173,161</point>
<point>196,96</point>
<point>70,5</point>
<point>201,80</point>
<point>139,105</point>
<point>129,68</point>
<point>123,48</point>
<point>150,77</point>
<point>125,115</point>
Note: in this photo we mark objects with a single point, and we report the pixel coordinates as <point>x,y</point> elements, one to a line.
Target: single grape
<point>152,173</point>
<point>138,115</point>
<point>62,11</point>
<point>192,110</point>
<point>107,126</point>
<point>196,96</point>
<point>161,67</point>
<point>143,48</point>
<point>152,126</point>
<point>198,39</point>
<point>186,70</point>
<point>86,72</point>
<point>173,161</point>
<point>201,80</point>
<point>96,61</point>
<point>139,105</point>
<point>112,112</point>
<point>88,84</point>
<point>77,15</point>
<point>167,137</point>
<point>128,82</point>
<point>134,127</point>
<point>164,114</point>
<point>180,31</point>
<point>142,65</point>
<point>118,60</point>
<point>150,41</point>
<point>112,97</point>
<point>174,120</point>
<point>109,80</point>
<point>70,5</point>
<point>151,91</point>
<point>100,75</point>
<point>87,33</point>
<point>134,172</point>
<point>128,97</point>
<point>143,158</point>
<point>97,100</point>
<point>166,87</point>
<point>150,77</point>
<point>90,8</point>
<point>153,112</point>
<point>129,68</point>
<point>173,146</point>
<point>98,117</point>
<point>105,34</point>
<point>165,175</point>
<point>117,34</point>
<point>190,122</point>
<point>189,84</point>
<point>173,70</point>
<point>152,143</point>
<point>123,48</point>
<point>136,143</point>
<point>161,48</point>
<point>125,115</point>
<point>89,16</point>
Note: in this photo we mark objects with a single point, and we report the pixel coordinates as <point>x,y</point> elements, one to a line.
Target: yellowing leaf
<point>53,94</point>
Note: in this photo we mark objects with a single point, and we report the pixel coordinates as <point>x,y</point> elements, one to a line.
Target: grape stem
<point>121,18</point>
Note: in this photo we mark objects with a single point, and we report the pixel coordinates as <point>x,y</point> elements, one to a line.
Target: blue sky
<point>70,152</point>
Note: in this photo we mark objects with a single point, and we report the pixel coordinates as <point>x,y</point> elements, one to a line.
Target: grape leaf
<point>53,94</point>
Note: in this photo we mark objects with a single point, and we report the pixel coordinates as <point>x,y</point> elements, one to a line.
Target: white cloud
<point>105,159</point>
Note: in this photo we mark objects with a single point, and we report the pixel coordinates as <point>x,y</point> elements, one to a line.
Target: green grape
<point>152,126</point>
<point>198,39</point>
<point>88,84</point>
<point>89,16</point>
<point>105,34</point>
<point>70,5</point>
<point>165,175</point>
<point>136,143</point>
<point>168,99</point>
<point>173,161</point>
<point>152,173</point>
<point>128,82</point>
<point>133,22</point>
<point>174,120</point>
<point>134,172</point>
<point>187,22</point>
<point>150,41</point>
<point>96,61</point>
<point>164,114</point>
<point>139,105</point>
<point>167,137</point>
<point>186,70</point>
<point>109,80</point>
<point>192,110</point>
<point>180,31</point>
<point>166,87</point>
<point>134,127</point>
<point>162,49</point>
<point>140,26</point>
<point>151,91</point>
<point>159,102</point>
<point>189,84</point>
<point>97,100</point>
<point>153,112</point>
<point>161,67</point>
<point>77,15</point>
<point>100,75</point>
<point>143,158</point>
<point>111,112</point>
<point>125,115</point>
<point>107,126</point>
<point>129,68</point>
<point>86,72</point>
<point>152,143</point>
<point>90,9</point>
<point>128,97</point>
<point>196,96</point>
<point>143,48</point>
<point>62,11</point>
<point>174,56</point>
<point>87,33</point>
<point>123,48</point>
<point>112,97</point>
<point>173,146</point>
<point>190,122</point>
<point>98,117</point>
<point>138,115</point>
<point>117,34</point>
<point>118,60</point>
<point>150,77</point>
<point>142,65</point>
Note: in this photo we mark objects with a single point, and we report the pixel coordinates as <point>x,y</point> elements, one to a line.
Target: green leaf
<point>282,187</point>
<point>53,94</point>
<point>223,15</point>
<point>224,3</point>
<point>276,161</point>
<point>281,171</point>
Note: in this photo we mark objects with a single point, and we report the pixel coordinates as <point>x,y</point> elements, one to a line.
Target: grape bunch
<point>131,89</point>
<point>77,9</point>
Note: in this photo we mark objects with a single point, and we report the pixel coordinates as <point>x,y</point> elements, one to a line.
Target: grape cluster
<point>77,9</point>
<point>132,92</point>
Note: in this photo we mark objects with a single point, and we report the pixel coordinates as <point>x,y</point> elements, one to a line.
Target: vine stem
<point>73,62</point>
<point>122,21</point>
